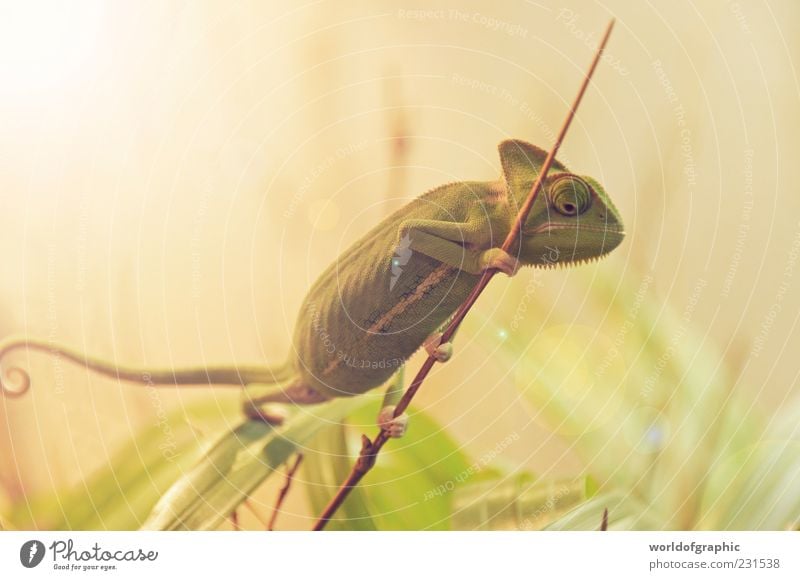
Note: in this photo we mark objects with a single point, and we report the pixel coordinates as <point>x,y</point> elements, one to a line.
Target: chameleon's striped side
<point>355,327</point>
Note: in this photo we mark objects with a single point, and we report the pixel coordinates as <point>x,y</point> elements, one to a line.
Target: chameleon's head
<point>572,219</point>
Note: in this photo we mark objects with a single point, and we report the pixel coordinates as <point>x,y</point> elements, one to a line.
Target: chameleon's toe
<point>394,426</point>
<point>443,352</point>
<point>501,260</point>
<point>435,348</point>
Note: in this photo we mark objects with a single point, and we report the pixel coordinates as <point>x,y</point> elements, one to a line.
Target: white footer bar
<point>400,555</point>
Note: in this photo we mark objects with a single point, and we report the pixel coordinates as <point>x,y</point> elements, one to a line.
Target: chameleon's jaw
<point>567,243</point>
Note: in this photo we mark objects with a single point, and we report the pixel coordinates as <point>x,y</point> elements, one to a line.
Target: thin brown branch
<point>284,490</point>
<point>371,448</point>
<point>604,521</point>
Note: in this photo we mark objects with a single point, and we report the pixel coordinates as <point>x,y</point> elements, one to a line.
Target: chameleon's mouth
<point>574,248</point>
<point>554,226</point>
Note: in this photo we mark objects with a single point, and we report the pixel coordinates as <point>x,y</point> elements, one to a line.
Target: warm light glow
<point>46,45</point>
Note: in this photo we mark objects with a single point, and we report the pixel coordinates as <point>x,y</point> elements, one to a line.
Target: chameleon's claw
<point>394,426</point>
<point>501,260</point>
<point>435,348</point>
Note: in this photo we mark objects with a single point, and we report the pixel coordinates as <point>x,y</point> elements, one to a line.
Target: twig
<point>370,449</point>
<point>234,517</point>
<point>604,521</point>
<point>256,514</point>
<point>284,490</point>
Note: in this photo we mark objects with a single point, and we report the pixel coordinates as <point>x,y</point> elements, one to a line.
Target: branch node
<point>367,455</point>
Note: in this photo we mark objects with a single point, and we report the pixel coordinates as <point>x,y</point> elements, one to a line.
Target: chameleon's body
<point>391,291</point>
<point>360,321</point>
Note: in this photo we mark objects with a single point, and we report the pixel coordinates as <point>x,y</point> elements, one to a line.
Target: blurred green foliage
<point>667,437</point>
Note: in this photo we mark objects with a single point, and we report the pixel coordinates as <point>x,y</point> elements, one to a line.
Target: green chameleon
<point>392,291</point>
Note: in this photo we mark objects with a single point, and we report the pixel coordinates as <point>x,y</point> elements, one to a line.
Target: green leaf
<point>410,487</point>
<point>521,502</point>
<point>239,461</point>
<point>515,502</point>
<point>119,495</point>
<point>625,512</point>
<point>757,486</point>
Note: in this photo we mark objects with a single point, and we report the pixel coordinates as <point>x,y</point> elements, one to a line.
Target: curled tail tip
<point>10,387</point>
<point>19,388</point>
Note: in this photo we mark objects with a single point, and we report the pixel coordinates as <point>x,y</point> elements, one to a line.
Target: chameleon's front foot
<point>394,426</point>
<point>435,348</point>
<point>501,260</point>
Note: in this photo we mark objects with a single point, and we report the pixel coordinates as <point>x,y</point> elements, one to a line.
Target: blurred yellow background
<point>173,177</point>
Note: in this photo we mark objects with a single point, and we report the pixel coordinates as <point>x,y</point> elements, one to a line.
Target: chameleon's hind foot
<point>435,348</point>
<point>501,260</point>
<point>394,426</point>
<point>271,414</point>
<point>258,408</point>
<point>295,392</point>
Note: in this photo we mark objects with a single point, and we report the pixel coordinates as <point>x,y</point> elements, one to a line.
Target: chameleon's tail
<point>15,381</point>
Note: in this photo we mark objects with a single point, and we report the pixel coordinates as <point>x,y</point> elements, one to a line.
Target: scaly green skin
<point>380,301</point>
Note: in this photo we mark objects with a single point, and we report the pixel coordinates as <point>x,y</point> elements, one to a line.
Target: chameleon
<point>393,290</point>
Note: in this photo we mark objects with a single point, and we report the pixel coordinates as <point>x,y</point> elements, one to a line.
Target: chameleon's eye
<point>570,195</point>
